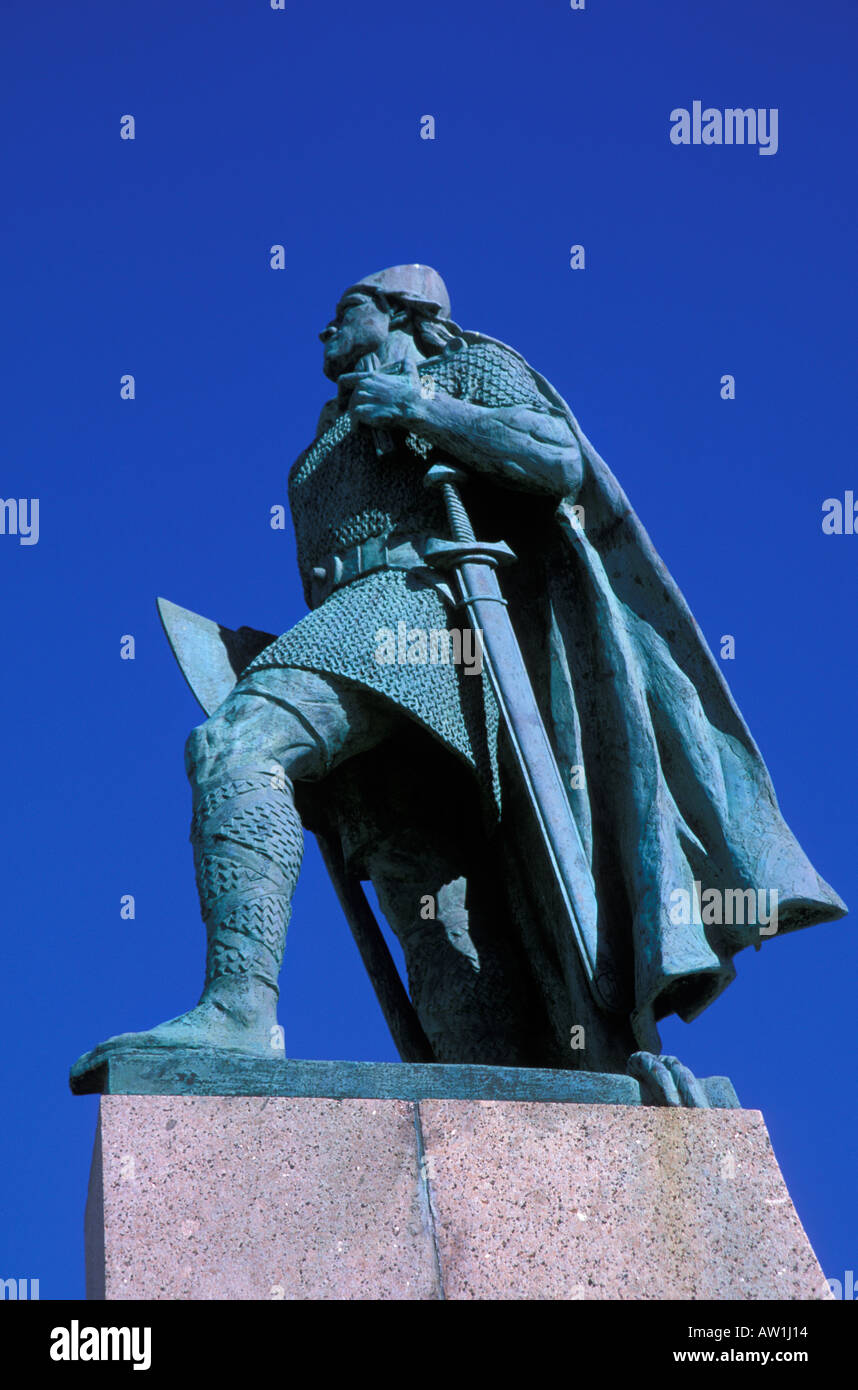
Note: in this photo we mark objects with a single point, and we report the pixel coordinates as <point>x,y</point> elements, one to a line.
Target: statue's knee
<point>218,749</point>
<point>203,750</point>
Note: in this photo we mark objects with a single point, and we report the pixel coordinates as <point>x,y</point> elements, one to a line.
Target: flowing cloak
<point>669,791</point>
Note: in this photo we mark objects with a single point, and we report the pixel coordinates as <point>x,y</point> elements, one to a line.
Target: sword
<point>474,564</point>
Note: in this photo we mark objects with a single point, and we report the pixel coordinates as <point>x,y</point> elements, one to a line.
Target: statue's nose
<point>327,333</point>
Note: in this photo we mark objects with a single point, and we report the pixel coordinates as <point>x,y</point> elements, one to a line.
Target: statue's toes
<point>657,1085</point>
<point>162,1036</point>
<point>666,1081</point>
<point>691,1092</point>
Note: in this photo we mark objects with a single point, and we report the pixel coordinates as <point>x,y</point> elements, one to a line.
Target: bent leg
<point>277,726</point>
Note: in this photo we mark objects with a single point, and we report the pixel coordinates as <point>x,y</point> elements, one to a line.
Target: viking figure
<point>366,723</point>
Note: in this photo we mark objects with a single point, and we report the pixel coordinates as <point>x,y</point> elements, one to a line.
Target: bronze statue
<point>569,843</point>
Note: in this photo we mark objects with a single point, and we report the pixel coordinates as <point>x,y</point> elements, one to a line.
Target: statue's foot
<point>666,1081</point>
<point>238,1022</point>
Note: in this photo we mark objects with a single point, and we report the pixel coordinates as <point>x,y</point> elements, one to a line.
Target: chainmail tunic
<point>341,493</point>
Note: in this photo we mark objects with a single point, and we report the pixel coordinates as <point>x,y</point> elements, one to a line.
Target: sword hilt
<point>446,476</point>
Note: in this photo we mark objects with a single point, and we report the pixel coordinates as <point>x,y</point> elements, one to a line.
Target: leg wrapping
<point>248,844</point>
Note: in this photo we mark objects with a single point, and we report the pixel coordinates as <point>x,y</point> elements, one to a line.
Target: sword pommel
<point>441,473</point>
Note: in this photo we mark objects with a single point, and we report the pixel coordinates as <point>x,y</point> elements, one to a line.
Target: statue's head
<point>404,298</point>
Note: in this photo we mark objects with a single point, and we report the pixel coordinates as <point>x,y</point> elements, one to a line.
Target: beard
<point>344,351</point>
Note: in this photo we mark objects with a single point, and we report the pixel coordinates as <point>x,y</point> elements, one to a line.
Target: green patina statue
<point>566,821</point>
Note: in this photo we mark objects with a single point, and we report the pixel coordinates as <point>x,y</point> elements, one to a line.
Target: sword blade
<point>534,758</point>
<point>540,776</point>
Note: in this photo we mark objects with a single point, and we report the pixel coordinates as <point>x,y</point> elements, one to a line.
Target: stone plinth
<point>250,1197</point>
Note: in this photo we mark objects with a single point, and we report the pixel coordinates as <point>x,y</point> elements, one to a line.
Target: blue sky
<point>301,127</point>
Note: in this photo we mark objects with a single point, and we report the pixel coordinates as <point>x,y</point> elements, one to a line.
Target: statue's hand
<point>380,398</point>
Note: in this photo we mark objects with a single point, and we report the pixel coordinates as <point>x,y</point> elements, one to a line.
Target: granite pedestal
<point>358,1197</point>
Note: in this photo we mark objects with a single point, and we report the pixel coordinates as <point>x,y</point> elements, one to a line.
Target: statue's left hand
<point>380,398</point>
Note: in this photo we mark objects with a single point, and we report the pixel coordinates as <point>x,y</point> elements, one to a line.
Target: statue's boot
<point>248,844</point>
<point>666,1081</point>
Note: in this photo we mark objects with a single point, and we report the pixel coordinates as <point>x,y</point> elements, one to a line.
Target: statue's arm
<point>520,445</point>
<point>527,444</point>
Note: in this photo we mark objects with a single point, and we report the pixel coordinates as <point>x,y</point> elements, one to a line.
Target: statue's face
<point>358,326</point>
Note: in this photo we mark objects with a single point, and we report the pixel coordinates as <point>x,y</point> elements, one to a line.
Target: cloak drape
<point>671,796</point>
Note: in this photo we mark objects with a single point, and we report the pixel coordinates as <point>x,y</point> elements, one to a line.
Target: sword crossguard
<point>445,555</point>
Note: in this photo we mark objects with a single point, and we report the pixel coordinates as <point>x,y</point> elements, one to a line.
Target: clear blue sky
<point>301,127</point>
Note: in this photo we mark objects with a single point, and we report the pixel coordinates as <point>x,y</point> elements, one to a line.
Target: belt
<point>396,551</point>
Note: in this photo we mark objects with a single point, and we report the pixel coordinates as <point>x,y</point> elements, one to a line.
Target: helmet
<point>415,284</point>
